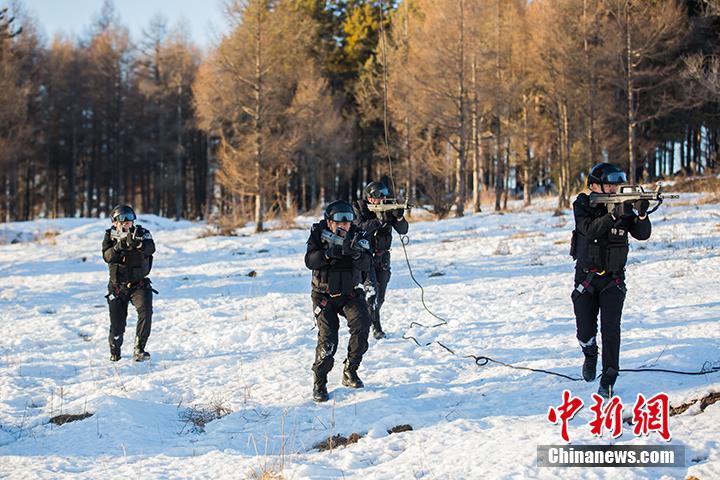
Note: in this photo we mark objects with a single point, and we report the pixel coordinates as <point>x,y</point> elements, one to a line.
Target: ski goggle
<point>614,178</point>
<point>379,193</point>
<point>124,217</point>
<point>342,217</point>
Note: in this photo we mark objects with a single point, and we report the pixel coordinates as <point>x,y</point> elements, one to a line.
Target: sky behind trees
<point>204,19</point>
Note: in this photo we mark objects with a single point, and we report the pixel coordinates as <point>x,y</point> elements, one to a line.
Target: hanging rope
<point>385,100</point>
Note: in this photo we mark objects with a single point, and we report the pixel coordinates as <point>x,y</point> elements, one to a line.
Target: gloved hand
<point>397,213</point>
<point>334,251</point>
<point>347,246</point>
<point>624,209</point>
<point>133,242</point>
<point>122,244</point>
<point>373,224</point>
<point>642,207</point>
<point>139,232</point>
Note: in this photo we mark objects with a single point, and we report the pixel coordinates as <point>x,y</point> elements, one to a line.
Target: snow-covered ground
<point>223,340</point>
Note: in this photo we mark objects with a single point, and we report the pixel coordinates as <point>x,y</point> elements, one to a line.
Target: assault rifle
<point>134,235</point>
<point>358,243</point>
<point>388,205</point>
<point>630,193</point>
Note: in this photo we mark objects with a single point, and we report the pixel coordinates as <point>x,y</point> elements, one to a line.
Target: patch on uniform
<point>147,236</point>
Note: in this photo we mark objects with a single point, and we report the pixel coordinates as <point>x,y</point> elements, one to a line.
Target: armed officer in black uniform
<point>128,250</point>
<point>337,290</point>
<point>600,246</point>
<point>379,226</point>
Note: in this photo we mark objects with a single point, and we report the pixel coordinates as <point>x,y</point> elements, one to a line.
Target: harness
<point>586,285</point>
<point>129,286</point>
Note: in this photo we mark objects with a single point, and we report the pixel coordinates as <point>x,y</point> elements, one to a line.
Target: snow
<point>222,339</point>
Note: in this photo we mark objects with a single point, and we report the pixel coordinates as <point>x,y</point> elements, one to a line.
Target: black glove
<point>373,224</point>
<point>347,246</point>
<point>642,207</point>
<point>122,244</point>
<point>134,243</point>
<point>624,209</point>
<point>398,213</point>
<point>139,232</point>
<point>334,251</point>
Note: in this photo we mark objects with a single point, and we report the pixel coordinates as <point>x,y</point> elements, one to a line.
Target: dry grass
<point>400,428</point>
<point>526,235</point>
<point>223,227</point>
<point>49,237</point>
<point>705,402</point>
<point>708,184</point>
<point>337,441</point>
<point>265,472</point>
<point>197,417</point>
<point>64,418</point>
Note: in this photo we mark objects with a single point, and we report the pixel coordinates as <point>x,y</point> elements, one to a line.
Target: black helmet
<point>122,213</point>
<point>339,211</point>
<point>376,190</point>
<point>606,174</point>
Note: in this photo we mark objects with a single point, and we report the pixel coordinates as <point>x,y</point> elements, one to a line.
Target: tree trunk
<point>179,157</point>
<point>259,163</point>
<point>475,135</point>
<point>630,86</point>
<point>460,165</point>
<point>527,171</point>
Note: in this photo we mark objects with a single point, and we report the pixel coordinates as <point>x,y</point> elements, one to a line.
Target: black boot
<point>114,354</point>
<point>139,354</point>
<point>377,330</point>
<point>607,382</point>
<point>320,393</point>
<point>115,343</point>
<point>350,377</point>
<point>589,368</point>
<point>605,391</point>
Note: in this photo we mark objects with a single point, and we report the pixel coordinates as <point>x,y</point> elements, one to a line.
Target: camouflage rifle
<point>388,205</point>
<point>630,193</point>
<point>133,236</point>
<point>358,243</point>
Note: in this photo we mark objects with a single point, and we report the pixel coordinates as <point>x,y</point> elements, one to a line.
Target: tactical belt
<point>586,285</point>
<point>139,283</point>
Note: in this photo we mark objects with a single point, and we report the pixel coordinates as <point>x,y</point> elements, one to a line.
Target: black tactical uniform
<point>600,246</point>
<point>129,260</point>
<point>337,290</point>
<point>380,228</point>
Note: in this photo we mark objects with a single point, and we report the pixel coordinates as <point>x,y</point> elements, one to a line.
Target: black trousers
<point>119,296</point>
<point>326,310</point>
<point>607,298</point>
<point>378,277</point>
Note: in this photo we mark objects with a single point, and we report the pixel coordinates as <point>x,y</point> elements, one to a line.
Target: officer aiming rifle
<point>128,250</point>
<point>605,218</point>
<point>338,263</point>
<point>378,213</point>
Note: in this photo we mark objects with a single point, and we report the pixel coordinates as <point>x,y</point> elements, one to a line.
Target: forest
<point>458,105</point>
